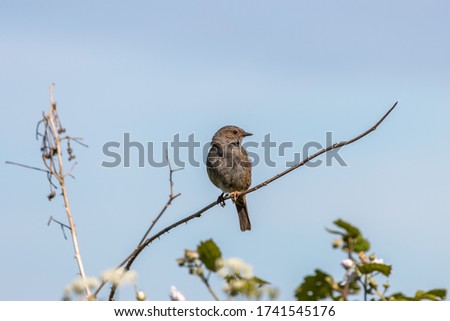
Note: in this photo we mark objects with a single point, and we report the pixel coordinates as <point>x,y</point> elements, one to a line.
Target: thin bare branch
<point>27,166</point>
<point>69,173</point>
<point>169,201</point>
<point>53,161</point>
<point>77,140</point>
<point>61,224</point>
<point>49,130</point>
<point>52,219</point>
<point>320,152</point>
<point>205,281</point>
<point>172,196</point>
<point>54,126</point>
<point>132,257</point>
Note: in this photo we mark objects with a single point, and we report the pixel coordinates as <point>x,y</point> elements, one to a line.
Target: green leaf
<point>399,297</point>
<point>368,268</point>
<point>209,252</point>
<point>351,230</point>
<point>361,244</point>
<point>433,295</point>
<point>229,278</point>
<point>315,287</point>
<point>441,293</point>
<point>259,281</point>
<point>352,238</point>
<point>334,231</point>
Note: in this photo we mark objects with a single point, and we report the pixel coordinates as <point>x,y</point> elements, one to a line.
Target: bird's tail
<point>244,219</point>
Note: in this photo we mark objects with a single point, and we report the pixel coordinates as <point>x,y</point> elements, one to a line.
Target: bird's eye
<point>235,132</point>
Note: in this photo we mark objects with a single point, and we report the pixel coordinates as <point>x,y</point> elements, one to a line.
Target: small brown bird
<point>230,169</point>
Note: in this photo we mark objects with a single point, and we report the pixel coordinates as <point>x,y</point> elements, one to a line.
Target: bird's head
<point>229,134</point>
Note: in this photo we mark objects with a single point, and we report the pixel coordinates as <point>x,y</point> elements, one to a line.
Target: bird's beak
<point>247,134</point>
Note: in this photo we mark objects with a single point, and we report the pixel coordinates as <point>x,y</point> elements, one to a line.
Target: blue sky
<point>294,69</point>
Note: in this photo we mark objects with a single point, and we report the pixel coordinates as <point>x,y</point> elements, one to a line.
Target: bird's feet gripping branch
<point>234,195</point>
<point>221,200</point>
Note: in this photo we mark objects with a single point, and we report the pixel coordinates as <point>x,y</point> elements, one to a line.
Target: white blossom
<point>347,263</point>
<point>236,266</point>
<point>141,295</point>
<point>116,276</point>
<point>237,285</point>
<point>191,255</point>
<point>176,295</point>
<point>78,286</point>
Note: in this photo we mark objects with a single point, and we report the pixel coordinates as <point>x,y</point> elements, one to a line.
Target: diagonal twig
<point>169,201</point>
<point>27,166</point>
<point>172,196</point>
<point>320,152</point>
<point>132,257</point>
<point>61,224</point>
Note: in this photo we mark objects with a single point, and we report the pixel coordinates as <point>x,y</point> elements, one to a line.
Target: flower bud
<point>337,242</point>
<point>181,261</point>
<point>141,296</point>
<point>199,271</point>
<point>373,283</point>
<point>347,263</point>
<point>191,255</point>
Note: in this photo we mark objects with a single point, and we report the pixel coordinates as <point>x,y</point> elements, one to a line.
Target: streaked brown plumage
<point>229,168</point>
